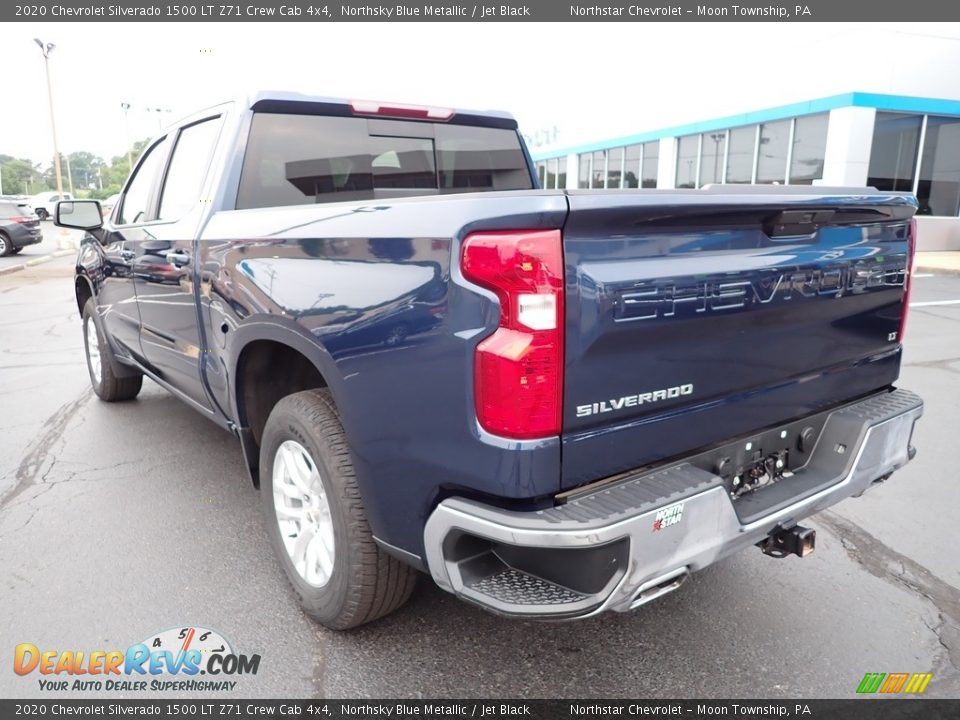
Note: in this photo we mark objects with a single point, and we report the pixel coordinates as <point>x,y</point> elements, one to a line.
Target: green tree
<point>86,169</point>
<point>92,175</point>
<point>20,176</point>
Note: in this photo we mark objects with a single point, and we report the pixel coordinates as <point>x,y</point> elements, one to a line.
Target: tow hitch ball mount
<point>796,540</point>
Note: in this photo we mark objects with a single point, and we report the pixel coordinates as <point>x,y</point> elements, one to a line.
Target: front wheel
<point>106,384</point>
<point>316,520</point>
<point>42,214</point>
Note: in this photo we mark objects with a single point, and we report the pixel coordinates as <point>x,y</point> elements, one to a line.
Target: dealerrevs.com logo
<point>172,660</point>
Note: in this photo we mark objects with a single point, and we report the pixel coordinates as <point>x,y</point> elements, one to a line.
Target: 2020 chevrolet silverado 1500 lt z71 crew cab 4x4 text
<point>554,402</point>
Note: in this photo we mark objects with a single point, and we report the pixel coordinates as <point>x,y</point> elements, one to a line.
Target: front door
<point>116,297</point>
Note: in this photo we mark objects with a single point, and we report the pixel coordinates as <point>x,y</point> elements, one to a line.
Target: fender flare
<point>283,331</point>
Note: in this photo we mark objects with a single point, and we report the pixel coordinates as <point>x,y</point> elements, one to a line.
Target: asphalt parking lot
<point>123,520</point>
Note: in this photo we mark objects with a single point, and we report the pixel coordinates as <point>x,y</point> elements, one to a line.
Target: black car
<point>19,227</point>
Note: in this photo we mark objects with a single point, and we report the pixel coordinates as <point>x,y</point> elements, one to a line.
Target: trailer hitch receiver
<point>796,540</point>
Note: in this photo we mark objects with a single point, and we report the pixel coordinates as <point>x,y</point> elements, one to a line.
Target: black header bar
<point>206,708</point>
<point>465,11</point>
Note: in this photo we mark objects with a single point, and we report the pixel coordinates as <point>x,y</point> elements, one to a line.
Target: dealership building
<point>889,142</point>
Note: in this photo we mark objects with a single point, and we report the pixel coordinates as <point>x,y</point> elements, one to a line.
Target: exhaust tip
<point>659,586</point>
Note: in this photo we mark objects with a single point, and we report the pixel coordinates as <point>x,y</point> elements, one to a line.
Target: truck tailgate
<point>695,317</point>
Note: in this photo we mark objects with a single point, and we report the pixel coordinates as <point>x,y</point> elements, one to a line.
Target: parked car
<point>555,403</point>
<point>19,227</point>
<point>106,207</point>
<point>44,203</point>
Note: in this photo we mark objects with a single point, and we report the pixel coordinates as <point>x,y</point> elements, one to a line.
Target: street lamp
<point>159,112</point>
<point>46,49</point>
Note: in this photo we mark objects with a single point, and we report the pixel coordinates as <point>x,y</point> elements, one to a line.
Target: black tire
<point>365,582</point>
<point>109,387</point>
<point>42,214</point>
<point>6,245</point>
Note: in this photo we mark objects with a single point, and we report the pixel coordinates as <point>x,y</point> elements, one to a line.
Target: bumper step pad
<point>519,588</point>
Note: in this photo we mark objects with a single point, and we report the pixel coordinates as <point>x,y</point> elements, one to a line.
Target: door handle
<point>178,258</point>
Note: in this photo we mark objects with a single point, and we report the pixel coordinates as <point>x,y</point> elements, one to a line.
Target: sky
<point>571,83</point>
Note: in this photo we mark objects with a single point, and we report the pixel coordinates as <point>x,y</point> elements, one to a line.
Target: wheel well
<point>267,372</point>
<point>84,293</point>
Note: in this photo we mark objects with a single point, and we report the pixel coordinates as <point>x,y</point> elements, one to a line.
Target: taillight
<point>908,278</point>
<point>22,219</point>
<point>518,371</point>
<point>397,110</point>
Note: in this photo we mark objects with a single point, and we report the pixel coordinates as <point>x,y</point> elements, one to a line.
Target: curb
<point>35,261</point>
<point>937,270</point>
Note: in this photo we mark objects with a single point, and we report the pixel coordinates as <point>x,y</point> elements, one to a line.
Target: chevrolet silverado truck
<point>555,403</point>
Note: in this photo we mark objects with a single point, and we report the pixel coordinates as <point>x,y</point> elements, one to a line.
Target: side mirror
<point>78,214</point>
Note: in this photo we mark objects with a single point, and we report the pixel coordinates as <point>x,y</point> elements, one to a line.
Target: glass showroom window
<point>893,157</point>
<point>772,155</point>
<point>585,164</point>
<point>742,142</point>
<point>631,165</point>
<point>687,150</point>
<point>712,147</point>
<point>551,182</point>
<point>614,168</point>
<point>651,157</point>
<point>541,172</point>
<point>562,173</point>
<point>938,189</point>
<point>599,173</point>
<point>809,149</point>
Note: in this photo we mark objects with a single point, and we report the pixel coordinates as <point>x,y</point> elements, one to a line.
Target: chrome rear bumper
<point>628,543</point>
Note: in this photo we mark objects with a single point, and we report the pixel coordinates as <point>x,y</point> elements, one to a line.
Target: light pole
<point>69,174</point>
<point>159,112</point>
<point>126,130</point>
<point>716,137</point>
<point>46,49</point>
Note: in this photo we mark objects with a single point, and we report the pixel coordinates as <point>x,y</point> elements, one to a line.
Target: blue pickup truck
<point>555,403</point>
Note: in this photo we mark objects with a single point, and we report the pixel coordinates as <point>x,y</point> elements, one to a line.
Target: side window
<point>136,200</point>
<point>188,168</point>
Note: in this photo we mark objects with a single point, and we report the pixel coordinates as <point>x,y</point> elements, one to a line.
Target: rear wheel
<point>42,214</point>
<point>6,246</point>
<point>106,384</point>
<point>316,520</point>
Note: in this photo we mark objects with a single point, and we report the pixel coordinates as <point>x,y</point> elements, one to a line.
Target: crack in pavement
<point>74,477</point>
<point>887,564</point>
<point>39,452</point>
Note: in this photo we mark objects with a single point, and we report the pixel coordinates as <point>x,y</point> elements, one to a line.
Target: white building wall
<point>937,233</point>
<point>667,163</point>
<point>847,156</point>
<point>573,171</point>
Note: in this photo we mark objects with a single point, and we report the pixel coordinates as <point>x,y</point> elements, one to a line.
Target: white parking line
<point>923,275</point>
<point>934,303</point>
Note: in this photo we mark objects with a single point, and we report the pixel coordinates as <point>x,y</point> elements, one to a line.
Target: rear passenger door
<point>165,269</point>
